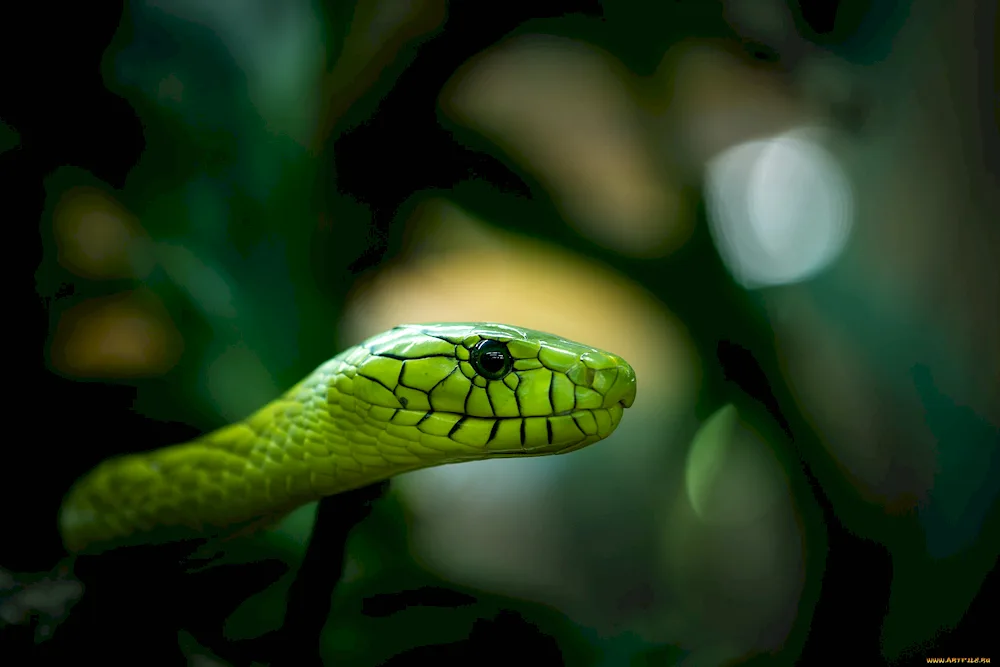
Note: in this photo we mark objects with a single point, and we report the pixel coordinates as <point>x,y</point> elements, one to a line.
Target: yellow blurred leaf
<point>126,335</point>
<point>98,238</point>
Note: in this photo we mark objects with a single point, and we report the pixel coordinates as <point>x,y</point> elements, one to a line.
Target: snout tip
<point>623,390</point>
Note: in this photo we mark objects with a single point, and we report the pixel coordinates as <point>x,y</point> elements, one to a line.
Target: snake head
<point>413,397</point>
<point>465,391</point>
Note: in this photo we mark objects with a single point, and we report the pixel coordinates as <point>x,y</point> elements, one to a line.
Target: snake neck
<point>314,441</point>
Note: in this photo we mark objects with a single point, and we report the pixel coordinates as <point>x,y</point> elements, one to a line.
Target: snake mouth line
<point>528,438</point>
<point>566,413</point>
<point>561,413</point>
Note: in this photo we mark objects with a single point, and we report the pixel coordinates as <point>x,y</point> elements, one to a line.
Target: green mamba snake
<point>413,397</point>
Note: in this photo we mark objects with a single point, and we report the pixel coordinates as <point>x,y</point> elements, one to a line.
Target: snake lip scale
<point>415,396</point>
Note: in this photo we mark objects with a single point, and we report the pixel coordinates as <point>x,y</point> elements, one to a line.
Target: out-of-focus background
<point>783,214</point>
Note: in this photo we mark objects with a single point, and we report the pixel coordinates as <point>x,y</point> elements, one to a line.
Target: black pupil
<point>491,359</point>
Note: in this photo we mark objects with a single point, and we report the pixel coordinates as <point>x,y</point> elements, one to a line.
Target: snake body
<point>413,397</point>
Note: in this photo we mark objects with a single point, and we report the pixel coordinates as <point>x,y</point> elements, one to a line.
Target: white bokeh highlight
<point>780,209</point>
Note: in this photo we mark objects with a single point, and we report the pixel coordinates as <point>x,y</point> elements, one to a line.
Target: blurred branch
<point>298,643</point>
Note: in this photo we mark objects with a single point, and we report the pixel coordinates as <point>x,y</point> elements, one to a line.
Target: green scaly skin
<point>413,397</point>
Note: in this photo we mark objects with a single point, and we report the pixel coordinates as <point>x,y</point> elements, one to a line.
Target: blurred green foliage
<point>253,245</point>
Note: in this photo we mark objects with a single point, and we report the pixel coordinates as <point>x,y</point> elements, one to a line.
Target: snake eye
<point>491,359</point>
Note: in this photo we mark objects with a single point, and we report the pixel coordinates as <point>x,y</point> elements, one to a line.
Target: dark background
<point>381,148</point>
